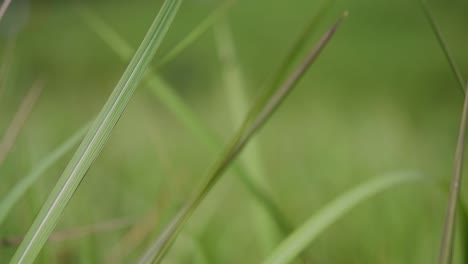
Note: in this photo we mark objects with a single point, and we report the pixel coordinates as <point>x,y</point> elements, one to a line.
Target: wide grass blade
<point>443,44</point>
<point>314,226</point>
<point>7,202</point>
<point>14,128</point>
<point>96,137</point>
<point>256,118</point>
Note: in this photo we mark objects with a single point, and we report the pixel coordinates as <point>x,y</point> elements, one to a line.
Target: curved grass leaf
<point>256,118</point>
<point>307,232</point>
<point>7,203</point>
<point>96,137</point>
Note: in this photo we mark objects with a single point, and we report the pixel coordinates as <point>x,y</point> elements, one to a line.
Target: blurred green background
<point>380,98</point>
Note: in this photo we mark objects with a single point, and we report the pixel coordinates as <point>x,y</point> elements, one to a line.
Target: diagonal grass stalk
<point>96,137</point>
<point>162,90</point>
<point>307,232</point>
<point>4,8</point>
<point>262,110</point>
<point>446,248</point>
<point>235,88</point>
<point>445,256</point>
<point>197,31</point>
<point>443,44</point>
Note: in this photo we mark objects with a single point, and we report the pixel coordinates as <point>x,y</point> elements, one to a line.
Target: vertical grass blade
<point>7,202</point>
<point>259,114</point>
<point>443,44</point>
<point>9,138</point>
<point>446,248</point>
<point>307,232</point>
<point>96,137</point>
<point>235,89</point>
<point>445,256</point>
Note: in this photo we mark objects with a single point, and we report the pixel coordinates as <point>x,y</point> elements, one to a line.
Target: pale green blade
<point>197,31</point>
<point>256,118</point>
<point>314,226</point>
<point>7,203</point>
<point>170,99</point>
<point>96,137</point>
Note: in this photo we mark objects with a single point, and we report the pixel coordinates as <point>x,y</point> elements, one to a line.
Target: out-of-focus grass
<point>378,102</point>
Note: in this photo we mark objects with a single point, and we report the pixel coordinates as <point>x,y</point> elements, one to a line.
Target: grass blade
<point>4,7</point>
<point>96,137</point>
<point>445,256</point>
<point>307,232</point>
<point>7,203</point>
<point>300,44</point>
<point>206,24</point>
<point>164,92</point>
<point>443,44</point>
<point>17,123</point>
<point>235,88</point>
<point>446,248</point>
<point>253,122</point>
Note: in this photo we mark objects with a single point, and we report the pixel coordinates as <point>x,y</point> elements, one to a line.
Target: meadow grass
<point>95,138</point>
<point>269,210</point>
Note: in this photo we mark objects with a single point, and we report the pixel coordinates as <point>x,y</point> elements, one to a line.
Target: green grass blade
<point>197,31</point>
<point>307,232</point>
<point>443,44</point>
<point>300,43</point>
<point>446,247</point>
<point>165,93</point>
<point>252,123</point>
<point>8,202</point>
<point>4,7</point>
<point>235,88</point>
<point>157,85</point>
<point>96,137</point>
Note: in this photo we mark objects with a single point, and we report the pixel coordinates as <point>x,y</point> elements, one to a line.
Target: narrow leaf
<point>314,226</point>
<point>172,101</point>
<point>253,122</point>
<point>4,8</point>
<point>197,31</point>
<point>96,137</point>
<point>443,44</point>
<point>445,256</point>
